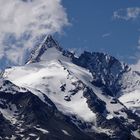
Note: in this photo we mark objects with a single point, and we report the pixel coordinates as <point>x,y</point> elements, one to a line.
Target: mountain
<point>57,96</point>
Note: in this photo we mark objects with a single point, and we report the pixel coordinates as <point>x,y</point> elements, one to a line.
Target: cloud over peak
<point>24,21</point>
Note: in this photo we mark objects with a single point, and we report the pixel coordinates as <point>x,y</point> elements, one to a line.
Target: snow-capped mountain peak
<point>48,49</point>
<point>50,42</point>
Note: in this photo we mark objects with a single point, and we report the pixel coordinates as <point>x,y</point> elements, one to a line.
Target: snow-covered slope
<point>24,116</point>
<point>52,79</point>
<point>118,78</point>
<point>92,90</point>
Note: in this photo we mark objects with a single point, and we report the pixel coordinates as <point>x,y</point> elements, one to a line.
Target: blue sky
<point>94,28</point>
<point>110,26</point>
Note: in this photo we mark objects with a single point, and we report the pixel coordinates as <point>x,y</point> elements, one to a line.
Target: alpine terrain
<point>59,96</point>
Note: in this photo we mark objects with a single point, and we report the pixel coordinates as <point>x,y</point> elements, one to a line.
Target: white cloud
<point>138,43</point>
<point>131,13</point>
<point>136,66</point>
<point>106,35</point>
<point>22,22</point>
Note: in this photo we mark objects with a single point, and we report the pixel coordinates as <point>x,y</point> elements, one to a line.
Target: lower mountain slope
<point>24,116</point>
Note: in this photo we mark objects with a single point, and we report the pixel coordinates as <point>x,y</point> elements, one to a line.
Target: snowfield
<point>48,76</point>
